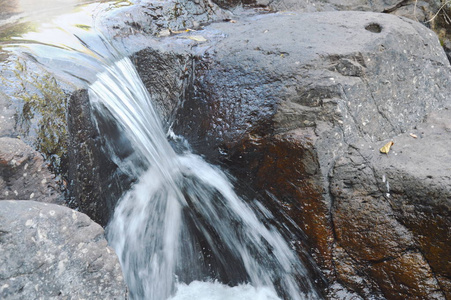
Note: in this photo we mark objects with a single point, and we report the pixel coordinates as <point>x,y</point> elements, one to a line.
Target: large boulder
<point>280,98</point>
<point>52,252</point>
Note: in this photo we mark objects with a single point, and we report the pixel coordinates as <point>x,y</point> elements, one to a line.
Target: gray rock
<point>24,175</point>
<point>432,13</point>
<point>280,99</point>
<point>52,252</point>
<point>160,18</point>
<point>286,101</point>
<point>310,70</point>
<point>421,11</point>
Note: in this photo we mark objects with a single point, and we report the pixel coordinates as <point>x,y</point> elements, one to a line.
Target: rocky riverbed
<point>293,97</point>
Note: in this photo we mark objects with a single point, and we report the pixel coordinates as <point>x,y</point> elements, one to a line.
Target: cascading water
<point>181,231</point>
<point>182,221</point>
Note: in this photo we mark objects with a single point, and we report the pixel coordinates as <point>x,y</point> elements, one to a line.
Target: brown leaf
<point>386,147</point>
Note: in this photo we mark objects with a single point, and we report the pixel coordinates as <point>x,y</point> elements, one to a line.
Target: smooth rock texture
<point>52,252</point>
<point>24,175</point>
<point>417,10</point>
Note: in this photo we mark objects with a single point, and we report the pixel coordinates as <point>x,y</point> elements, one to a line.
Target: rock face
<point>96,183</point>
<point>24,175</point>
<point>52,252</point>
<point>392,212</point>
<point>282,100</point>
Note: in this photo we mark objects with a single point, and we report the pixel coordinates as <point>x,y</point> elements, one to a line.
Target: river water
<point>181,231</point>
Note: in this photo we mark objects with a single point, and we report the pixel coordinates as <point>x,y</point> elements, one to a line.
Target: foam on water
<point>181,231</point>
<point>199,290</point>
<point>182,221</point>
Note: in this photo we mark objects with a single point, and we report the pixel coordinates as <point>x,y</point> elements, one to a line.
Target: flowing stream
<point>181,231</point>
<point>182,222</point>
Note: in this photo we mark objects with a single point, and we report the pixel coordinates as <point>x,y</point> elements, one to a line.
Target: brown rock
<point>289,170</point>
<point>352,276</point>
<point>364,220</point>
<point>406,277</point>
<point>287,101</point>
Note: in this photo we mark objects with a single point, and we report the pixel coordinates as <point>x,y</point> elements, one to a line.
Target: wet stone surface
<point>279,99</point>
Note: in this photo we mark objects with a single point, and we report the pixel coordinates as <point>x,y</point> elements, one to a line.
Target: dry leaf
<point>386,148</point>
<point>413,135</point>
<point>181,31</point>
<point>197,38</point>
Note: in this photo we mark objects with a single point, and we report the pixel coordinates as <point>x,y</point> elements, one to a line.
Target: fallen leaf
<point>413,135</point>
<point>181,31</point>
<point>197,38</point>
<point>386,148</point>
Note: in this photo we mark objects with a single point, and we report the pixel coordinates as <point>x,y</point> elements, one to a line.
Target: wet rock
<point>406,277</point>
<point>282,99</point>
<point>24,174</point>
<point>168,76</point>
<point>37,105</point>
<point>95,181</point>
<point>99,154</point>
<point>392,212</point>
<point>52,252</point>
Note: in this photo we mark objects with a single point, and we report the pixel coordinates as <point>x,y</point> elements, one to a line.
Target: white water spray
<point>182,221</point>
<point>181,232</point>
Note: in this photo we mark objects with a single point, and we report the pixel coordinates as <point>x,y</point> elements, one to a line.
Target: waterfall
<point>182,228</point>
<point>181,232</point>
